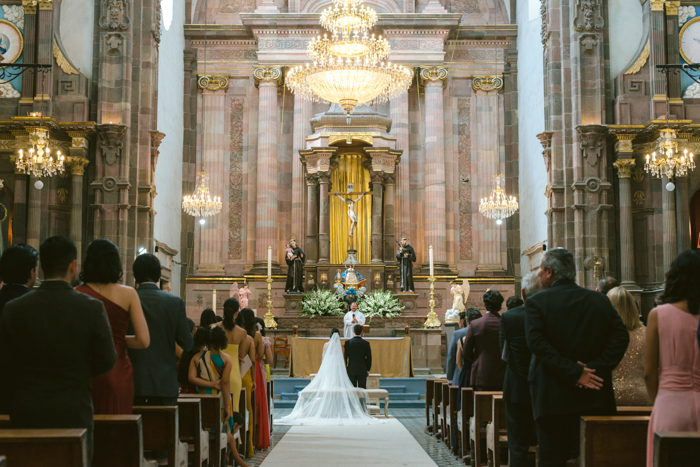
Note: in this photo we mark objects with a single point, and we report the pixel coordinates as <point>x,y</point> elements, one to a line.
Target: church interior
<point>389,164</point>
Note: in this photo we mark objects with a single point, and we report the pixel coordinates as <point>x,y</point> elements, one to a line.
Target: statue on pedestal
<point>460,293</point>
<point>406,257</point>
<point>295,274</point>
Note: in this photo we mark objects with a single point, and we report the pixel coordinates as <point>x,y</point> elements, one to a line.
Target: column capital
<point>657,5</point>
<point>267,74</point>
<point>377,177</point>
<point>432,75</point>
<point>383,159</point>
<point>624,143</point>
<point>311,179</point>
<point>324,178</point>
<point>212,83</point>
<point>77,165</point>
<point>487,83</point>
<point>317,160</point>
<point>546,141</point>
<point>624,167</point>
<point>30,6</point>
<point>672,8</point>
<point>389,179</point>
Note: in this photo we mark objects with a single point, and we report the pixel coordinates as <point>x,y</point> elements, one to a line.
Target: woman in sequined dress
<point>628,377</point>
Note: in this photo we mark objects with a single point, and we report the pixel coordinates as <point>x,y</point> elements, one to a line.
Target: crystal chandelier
<point>201,204</point>
<point>39,162</point>
<point>498,206</point>
<point>669,164</point>
<point>348,68</point>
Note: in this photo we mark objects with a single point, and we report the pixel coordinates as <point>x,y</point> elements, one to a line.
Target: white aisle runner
<point>386,444</point>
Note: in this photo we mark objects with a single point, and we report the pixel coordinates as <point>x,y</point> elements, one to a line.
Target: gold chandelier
<point>669,164</point>
<point>39,162</point>
<point>498,206</point>
<point>349,69</point>
<point>201,204</point>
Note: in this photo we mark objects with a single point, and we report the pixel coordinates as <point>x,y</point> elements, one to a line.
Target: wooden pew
<point>676,449</point>
<point>118,441</point>
<point>477,433</point>
<point>190,420</point>
<point>496,433</point>
<point>243,433</point>
<point>634,411</point>
<point>429,384</point>
<point>271,402</point>
<point>46,447</point>
<point>437,398</point>
<point>4,422</point>
<point>211,422</point>
<point>451,395</point>
<point>465,415</point>
<point>3,461</point>
<point>160,430</point>
<point>444,406</point>
<point>618,441</point>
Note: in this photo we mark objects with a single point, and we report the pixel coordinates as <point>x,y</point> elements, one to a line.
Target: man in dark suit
<point>18,272</point>
<point>516,389</point>
<point>358,358</point>
<point>577,339</point>
<point>453,371</point>
<point>53,342</point>
<point>155,374</point>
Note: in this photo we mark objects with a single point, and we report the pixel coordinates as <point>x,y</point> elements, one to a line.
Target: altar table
<point>391,356</point>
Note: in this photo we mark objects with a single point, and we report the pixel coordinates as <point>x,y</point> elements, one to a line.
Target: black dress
<point>295,273</point>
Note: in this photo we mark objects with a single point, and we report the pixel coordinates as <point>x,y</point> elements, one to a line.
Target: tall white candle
<point>430,251</point>
<point>269,261</point>
<point>213,300</point>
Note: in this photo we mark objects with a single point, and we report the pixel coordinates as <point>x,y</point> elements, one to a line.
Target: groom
<point>358,358</point>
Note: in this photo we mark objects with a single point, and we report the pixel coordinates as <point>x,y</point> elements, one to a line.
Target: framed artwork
<point>11,42</point>
<point>689,41</point>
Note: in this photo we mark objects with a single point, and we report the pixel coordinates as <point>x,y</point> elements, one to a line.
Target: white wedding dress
<point>330,399</point>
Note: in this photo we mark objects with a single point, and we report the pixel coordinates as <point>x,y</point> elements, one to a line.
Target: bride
<point>330,398</point>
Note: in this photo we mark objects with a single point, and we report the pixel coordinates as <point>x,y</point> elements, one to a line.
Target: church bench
<point>437,398</point>
<point>463,419</point>
<point>161,432</point>
<point>496,433</point>
<point>676,449</point>
<point>615,440</point>
<point>211,423</point>
<point>477,425</point>
<point>191,433</point>
<point>378,394</point>
<point>44,447</point>
<point>450,396</point>
<point>4,422</point>
<point>429,384</point>
<point>270,402</point>
<point>3,461</point>
<point>634,411</point>
<point>118,441</point>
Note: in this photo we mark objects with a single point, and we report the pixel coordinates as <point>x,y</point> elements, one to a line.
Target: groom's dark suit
<point>358,360</point>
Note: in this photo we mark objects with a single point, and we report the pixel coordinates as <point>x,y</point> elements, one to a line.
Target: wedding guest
<point>18,271</point>
<point>577,339</point>
<point>672,363</point>
<point>513,302</point>
<point>628,377</point>
<point>261,413</point>
<point>183,365</point>
<point>516,389</point>
<point>235,335</point>
<point>53,341</point>
<point>267,346</point>
<point>606,284</point>
<point>238,422</point>
<point>481,346</point>
<point>155,373</point>
<point>207,318</point>
<point>464,365</point>
<point>101,271</point>
<point>453,371</point>
<point>246,319</point>
<point>178,349</point>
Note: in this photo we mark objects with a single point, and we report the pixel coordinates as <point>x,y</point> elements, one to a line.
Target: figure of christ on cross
<point>351,206</point>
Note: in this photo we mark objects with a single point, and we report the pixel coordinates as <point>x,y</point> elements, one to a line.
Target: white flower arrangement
<point>320,302</point>
<point>380,304</point>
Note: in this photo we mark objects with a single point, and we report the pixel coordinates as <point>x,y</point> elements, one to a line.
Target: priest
<point>295,273</point>
<point>406,257</point>
<point>352,317</point>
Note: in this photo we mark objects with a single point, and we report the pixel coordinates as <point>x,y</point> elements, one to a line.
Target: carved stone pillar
<point>399,128</point>
<point>554,193</point>
<point>377,228</point>
<point>19,221</point>
<point>266,224</point>
<point>625,164</point>
<point>324,222</point>
<point>44,56</point>
<point>668,205</point>
<point>435,222</point>
<point>389,218</point>
<point>657,56</point>
<point>77,171</point>
<point>311,247</point>
<point>303,111</point>
<point>683,213</point>
<point>673,52</point>
<point>26,102</point>
<point>34,215</point>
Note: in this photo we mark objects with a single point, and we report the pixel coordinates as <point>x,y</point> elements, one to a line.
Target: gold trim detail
<point>62,61</point>
<point>30,6</point>
<point>268,73</point>
<point>640,62</point>
<point>21,38</point>
<point>212,82</point>
<point>672,8</point>
<point>657,6</point>
<point>624,167</point>
<point>350,137</point>
<point>487,83</point>
<point>680,38</point>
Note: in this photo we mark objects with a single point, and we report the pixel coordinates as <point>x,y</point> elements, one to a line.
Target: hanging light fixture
<point>201,204</point>
<point>669,163</point>
<point>499,205</point>
<point>348,68</point>
<point>39,162</point>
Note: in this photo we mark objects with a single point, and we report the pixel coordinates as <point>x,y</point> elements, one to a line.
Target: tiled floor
<point>412,419</point>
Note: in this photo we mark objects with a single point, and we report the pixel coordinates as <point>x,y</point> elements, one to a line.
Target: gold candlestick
<point>269,318</point>
<point>432,320</point>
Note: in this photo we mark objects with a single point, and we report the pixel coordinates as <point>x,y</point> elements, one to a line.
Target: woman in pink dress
<point>244,295</point>
<point>672,363</point>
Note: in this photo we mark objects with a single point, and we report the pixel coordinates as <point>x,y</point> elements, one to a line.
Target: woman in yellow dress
<point>247,357</point>
<point>235,335</point>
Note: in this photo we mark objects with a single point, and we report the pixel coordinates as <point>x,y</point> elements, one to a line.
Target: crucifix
<point>351,206</point>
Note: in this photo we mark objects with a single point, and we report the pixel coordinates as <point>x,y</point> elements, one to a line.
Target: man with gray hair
<point>577,339</point>
<point>516,389</point>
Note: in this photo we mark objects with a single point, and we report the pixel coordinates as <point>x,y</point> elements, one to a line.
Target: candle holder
<point>432,320</point>
<point>269,318</point>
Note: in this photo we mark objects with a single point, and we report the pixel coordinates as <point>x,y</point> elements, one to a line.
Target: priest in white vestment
<point>352,317</point>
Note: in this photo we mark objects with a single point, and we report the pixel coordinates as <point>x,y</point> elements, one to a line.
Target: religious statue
<point>295,273</point>
<point>406,256</point>
<point>244,295</point>
<point>460,293</point>
<point>351,209</point>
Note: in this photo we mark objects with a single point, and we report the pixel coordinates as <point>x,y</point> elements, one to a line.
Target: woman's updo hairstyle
<point>249,321</point>
<point>101,264</point>
<point>334,331</point>
<point>493,301</point>
<point>201,337</point>
<point>217,339</point>
<point>231,307</point>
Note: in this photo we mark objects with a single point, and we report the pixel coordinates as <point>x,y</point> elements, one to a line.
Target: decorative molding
<point>212,83</point>
<point>640,62</point>
<point>464,143</point>
<point>588,16</point>
<point>592,139</point>
<point>487,83</point>
<point>433,74</point>
<point>78,165</point>
<point>672,8</point>
<point>416,44</point>
<point>544,30</point>
<point>14,14</point>
<point>29,7</point>
<point>546,141</point>
<point>685,13</point>
<point>112,141</point>
<point>237,6</point>
<point>283,44</point>
<point>624,167</point>
<point>267,74</point>
<point>155,29</point>
<point>115,15</point>
<point>231,54</point>
<point>624,143</point>
<point>235,190</point>
<point>639,198</point>
<point>657,5</point>
<point>61,61</point>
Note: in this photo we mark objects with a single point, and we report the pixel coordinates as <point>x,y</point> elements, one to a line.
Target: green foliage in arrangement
<point>320,302</point>
<point>380,304</point>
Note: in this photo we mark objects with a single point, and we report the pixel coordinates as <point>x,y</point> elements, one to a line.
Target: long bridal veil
<point>330,398</point>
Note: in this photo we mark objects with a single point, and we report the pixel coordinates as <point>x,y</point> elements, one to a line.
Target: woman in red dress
<point>113,393</point>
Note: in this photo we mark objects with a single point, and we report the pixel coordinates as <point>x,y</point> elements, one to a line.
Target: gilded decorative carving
<point>639,63</point>
<point>588,17</point>
<point>464,144</point>
<point>638,175</point>
<point>624,143</point>
<point>487,83</point>
<point>212,82</point>
<point>657,5</point>
<point>115,15</point>
<point>672,8</point>
<point>235,199</point>
<point>267,73</point>
<point>30,6</point>
<point>432,74</point>
<point>78,139</point>
<point>78,165</point>
<point>639,198</point>
<point>46,5</point>
<point>350,137</point>
<point>546,141</point>
<point>61,60</point>
<point>624,167</point>
<point>62,195</point>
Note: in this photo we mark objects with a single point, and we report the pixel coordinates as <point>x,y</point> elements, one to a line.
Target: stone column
<point>673,53</point>
<point>34,215</point>
<point>435,222</point>
<point>683,213</point>
<point>266,224</point>
<point>19,221</point>
<point>77,171</point>
<point>303,111</point>
<point>211,234</point>
<point>399,128</point>
<point>668,203</point>
<point>625,164</point>
<point>377,228</point>
<point>389,218</point>
<point>657,56</point>
<point>324,222</point>
<point>26,102</point>
<point>311,247</point>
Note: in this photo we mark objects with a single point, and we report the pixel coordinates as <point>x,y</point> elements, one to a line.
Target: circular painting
<point>11,42</point>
